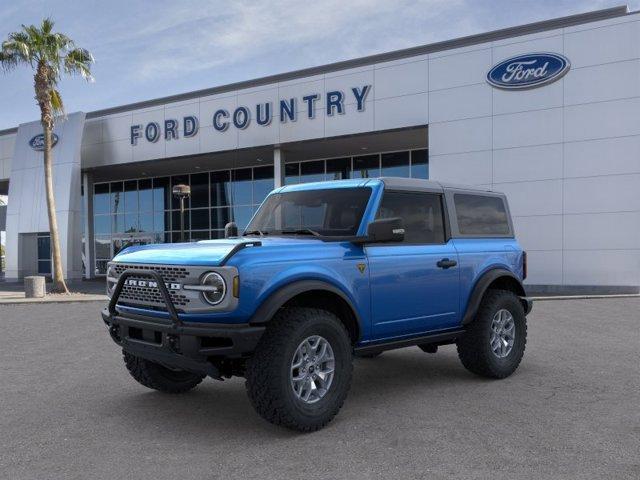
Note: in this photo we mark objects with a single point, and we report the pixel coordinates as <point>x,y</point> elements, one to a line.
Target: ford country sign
<point>528,71</point>
<point>37,142</point>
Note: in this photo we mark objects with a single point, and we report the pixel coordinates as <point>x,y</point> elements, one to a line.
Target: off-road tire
<point>429,348</point>
<point>474,348</point>
<point>268,381</point>
<point>369,355</point>
<point>157,377</point>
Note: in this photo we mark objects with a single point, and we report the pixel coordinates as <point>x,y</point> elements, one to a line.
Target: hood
<point>206,252</point>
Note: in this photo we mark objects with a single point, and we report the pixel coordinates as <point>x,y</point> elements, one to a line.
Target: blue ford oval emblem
<point>37,142</point>
<point>528,71</point>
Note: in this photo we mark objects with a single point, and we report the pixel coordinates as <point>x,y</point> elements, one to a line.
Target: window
<point>131,196</point>
<point>200,190</point>
<point>220,189</point>
<point>101,198</point>
<point>421,215</point>
<point>292,173</point>
<point>338,168</point>
<point>420,164</point>
<point>395,164</point>
<point>44,253</point>
<point>200,219</point>
<point>367,166</point>
<point>481,215</point>
<point>242,186</point>
<point>145,195</point>
<point>312,171</point>
<point>116,197</point>
<point>161,194</point>
<point>262,183</point>
<point>220,217</point>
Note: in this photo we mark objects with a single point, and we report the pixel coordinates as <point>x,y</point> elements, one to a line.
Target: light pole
<point>181,192</point>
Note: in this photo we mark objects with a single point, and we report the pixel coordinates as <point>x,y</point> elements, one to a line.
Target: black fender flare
<point>481,287</point>
<point>277,299</point>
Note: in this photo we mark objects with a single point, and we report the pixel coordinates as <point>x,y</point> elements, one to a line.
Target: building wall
<point>398,99</point>
<point>7,143</point>
<point>27,209</point>
<point>566,154</point>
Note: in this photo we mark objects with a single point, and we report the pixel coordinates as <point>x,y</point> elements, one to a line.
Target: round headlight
<point>216,288</point>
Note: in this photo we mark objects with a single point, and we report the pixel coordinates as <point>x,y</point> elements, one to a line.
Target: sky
<point>150,49</point>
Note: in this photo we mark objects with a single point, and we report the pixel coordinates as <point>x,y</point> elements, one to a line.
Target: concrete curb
<point>73,298</point>
<point>584,297</point>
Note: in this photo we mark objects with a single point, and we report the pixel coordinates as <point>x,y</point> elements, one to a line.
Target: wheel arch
<point>497,278</point>
<point>311,293</point>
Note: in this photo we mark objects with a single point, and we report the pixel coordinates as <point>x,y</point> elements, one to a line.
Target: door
<point>415,283</point>
<point>44,253</point>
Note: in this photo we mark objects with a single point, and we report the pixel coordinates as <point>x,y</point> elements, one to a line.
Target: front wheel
<point>300,372</point>
<point>494,342</point>
<point>157,377</point>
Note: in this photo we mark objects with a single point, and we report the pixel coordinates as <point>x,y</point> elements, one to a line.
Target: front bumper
<point>188,346</point>
<point>194,347</point>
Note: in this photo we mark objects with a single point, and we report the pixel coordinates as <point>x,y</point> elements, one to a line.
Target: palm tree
<point>49,54</point>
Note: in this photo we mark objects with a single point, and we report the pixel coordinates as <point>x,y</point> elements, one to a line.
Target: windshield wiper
<point>301,231</point>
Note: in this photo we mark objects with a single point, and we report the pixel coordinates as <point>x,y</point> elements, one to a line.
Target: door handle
<point>446,263</point>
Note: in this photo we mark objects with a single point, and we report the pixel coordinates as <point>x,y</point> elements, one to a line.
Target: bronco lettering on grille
<point>132,282</point>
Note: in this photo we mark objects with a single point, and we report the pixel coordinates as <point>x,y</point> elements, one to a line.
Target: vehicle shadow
<point>223,410</point>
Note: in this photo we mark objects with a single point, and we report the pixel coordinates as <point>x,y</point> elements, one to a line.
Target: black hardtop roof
<point>400,183</point>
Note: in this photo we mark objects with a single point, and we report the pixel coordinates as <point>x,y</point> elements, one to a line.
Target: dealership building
<point>548,113</point>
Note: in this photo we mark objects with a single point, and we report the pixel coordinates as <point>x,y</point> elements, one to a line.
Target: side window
<point>481,215</point>
<point>421,214</point>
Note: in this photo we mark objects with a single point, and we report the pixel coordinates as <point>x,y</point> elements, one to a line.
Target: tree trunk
<point>46,118</point>
<point>59,285</point>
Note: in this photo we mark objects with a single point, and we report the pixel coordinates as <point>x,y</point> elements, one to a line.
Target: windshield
<point>323,212</point>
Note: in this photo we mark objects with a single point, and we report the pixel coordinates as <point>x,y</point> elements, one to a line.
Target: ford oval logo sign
<point>528,71</point>
<point>37,142</point>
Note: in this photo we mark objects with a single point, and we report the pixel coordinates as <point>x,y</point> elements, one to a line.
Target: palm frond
<point>47,25</point>
<point>56,102</point>
<point>9,61</point>
<point>78,61</point>
<point>49,53</point>
<point>16,49</point>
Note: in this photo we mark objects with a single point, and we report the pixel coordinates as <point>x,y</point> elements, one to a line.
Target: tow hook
<point>114,331</point>
<point>173,343</point>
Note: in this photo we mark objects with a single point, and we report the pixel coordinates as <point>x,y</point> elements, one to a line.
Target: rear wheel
<point>369,355</point>
<point>494,342</point>
<point>157,377</point>
<point>300,372</point>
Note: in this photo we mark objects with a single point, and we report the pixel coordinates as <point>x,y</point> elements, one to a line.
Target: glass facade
<point>137,212</point>
<point>414,163</point>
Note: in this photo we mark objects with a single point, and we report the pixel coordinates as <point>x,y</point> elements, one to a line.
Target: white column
<point>278,168</point>
<point>87,204</point>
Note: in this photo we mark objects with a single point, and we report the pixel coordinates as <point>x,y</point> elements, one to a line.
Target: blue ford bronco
<point>322,273</point>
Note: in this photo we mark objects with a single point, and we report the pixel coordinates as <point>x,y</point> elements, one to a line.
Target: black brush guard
<point>174,343</point>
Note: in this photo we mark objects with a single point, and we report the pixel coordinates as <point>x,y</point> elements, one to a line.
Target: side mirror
<point>385,230</point>
<point>230,230</point>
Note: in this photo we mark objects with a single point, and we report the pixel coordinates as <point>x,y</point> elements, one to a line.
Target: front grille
<point>151,297</point>
<point>170,274</point>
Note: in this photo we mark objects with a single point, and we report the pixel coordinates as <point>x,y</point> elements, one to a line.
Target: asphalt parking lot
<point>69,410</point>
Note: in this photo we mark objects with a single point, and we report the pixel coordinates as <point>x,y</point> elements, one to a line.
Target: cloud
<point>200,35</point>
<point>152,48</point>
